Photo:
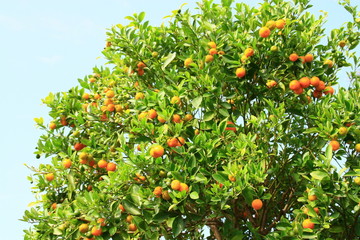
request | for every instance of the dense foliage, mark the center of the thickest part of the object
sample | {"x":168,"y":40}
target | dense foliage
{"x":224,"y":120}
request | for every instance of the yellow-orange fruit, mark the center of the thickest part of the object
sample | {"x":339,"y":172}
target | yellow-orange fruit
{"x":156,"y":151}
{"x":293,"y":57}
{"x":335,"y":145}
{"x":257,"y":204}
{"x":294,"y":84}
{"x":175,"y":185}
{"x":280,"y":24}
{"x":307,"y":223}
{"x":264,"y":32}
{"x":240,"y":72}
{"x":304,"y":82}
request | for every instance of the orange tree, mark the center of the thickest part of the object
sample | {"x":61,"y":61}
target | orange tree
{"x":219,"y":125}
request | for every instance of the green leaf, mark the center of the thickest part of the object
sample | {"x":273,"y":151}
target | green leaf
{"x":329,"y":154}
{"x":319,"y":175}
{"x":168,"y":60}
{"x":196,"y":102}
{"x":194,"y":195}
{"x":178,"y":225}
{"x":131,"y":208}
{"x":161,"y":216}
{"x":141,"y":16}
{"x":224,"y":112}
{"x":208,"y":116}
{"x":112,"y":231}
{"x":135,"y":194}
{"x":219,"y":178}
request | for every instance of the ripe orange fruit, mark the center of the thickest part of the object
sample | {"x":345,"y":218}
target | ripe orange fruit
{"x":304,"y":82}
{"x":140,"y":71}
{"x":110,"y":107}
{"x":111,"y":167}
{"x":212,"y":44}
{"x":158,"y":191}
{"x":184,"y":187}
{"x":85,"y":96}
{"x":257,"y":204}
{"x":312,"y":197}
{"x":96,"y":231}
{"x":316,"y":209}
{"x":181,"y":141}
{"x":230,"y":126}
{"x":141,"y":65}
{"x":49,"y":177}
{"x":231,"y":178}
{"x":298,"y":91}
{"x":293,"y":57}
{"x":161,"y":119}
{"x":309,"y":57}
{"x":280,"y":24}
{"x":308,"y":224}
{"x":175,"y":100}
{"x":271,"y":24}
{"x":102,"y":163}
{"x":187,"y":62}
{"x":264,"y":32}
{"x":240,"y":72}
{"x":52,"y":126}
{"x":152,"y":114}
{"x":320,"y":86}
{"x":213,"y":51}
{"x":271,"y":83}
{"x":129,"y":218}
{"x":329,"y":90}
{"x":244,"y":58}
{"x":63,"y":121}
{"x":66,"y":163}
{"x":188,"y":117}
{"x":79,"y":146}
{"x":314,"y":81}
{"x":335,"y":145}
{"x":108,"y":101}
{"x":249,"y":52}
{"x":329,"y":63}
{"x":121,"y":207}
{"x":101,"y":221}
{"x":83,"y":228}
{"x":173,"y":142}
{"x":294,"y":84}
{"x":209,"y":58}
{"x":139,"y":95}
{"x":175,"y":185}
{"x":54,"y":205}
{"x":176,"y":118}
{"x":92,"y":80}
{"x":132,"y":227}
{"x":156,"y":151}
{"x":110,"y":94}
{"x":317,"y":94}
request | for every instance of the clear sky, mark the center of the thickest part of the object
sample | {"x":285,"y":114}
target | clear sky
{"x":45,"y":46}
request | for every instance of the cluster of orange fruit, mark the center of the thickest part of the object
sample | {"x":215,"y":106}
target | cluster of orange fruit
{"x":212,"y":51}
{"x":265,"y":31}
{"x":298,"y":86}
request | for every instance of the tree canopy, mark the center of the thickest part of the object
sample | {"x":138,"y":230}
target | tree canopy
{"x":226,"y":120}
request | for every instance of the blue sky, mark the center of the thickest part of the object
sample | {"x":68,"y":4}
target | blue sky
{"x":44,"y":47}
